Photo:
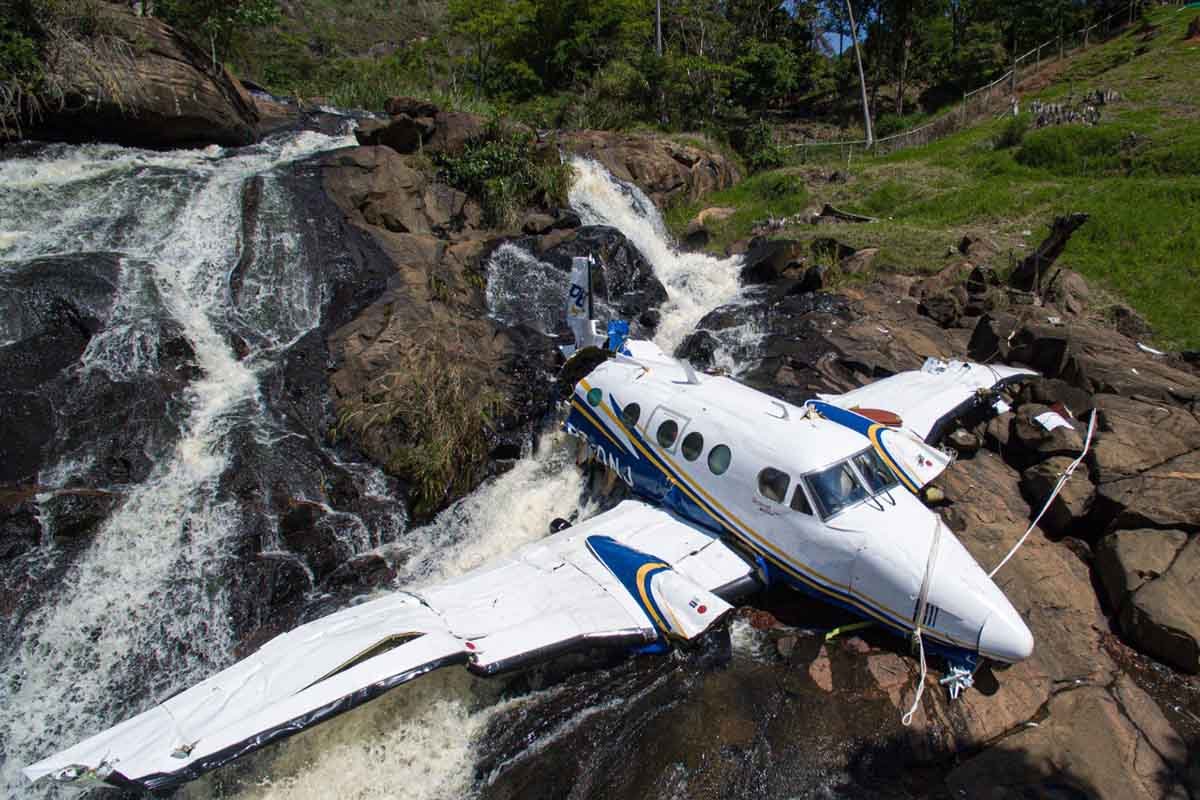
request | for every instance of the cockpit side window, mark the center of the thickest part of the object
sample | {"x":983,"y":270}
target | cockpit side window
{"x":773,"y":484}
{"x":875,"y":471}
{"x":800,"y":500}
{"x":630,"y":414}
{"x":835,"y":488}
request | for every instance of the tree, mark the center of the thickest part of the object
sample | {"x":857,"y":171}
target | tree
{"x":217,"y":20}
{"x":494,"y":31}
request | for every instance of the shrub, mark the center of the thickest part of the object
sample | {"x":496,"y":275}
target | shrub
{"x":1013,"y":132}
{"x":759,"y":149}
{"x":1073,"y":149}
{"x":444,"y":412}
{"x":505,"y":172}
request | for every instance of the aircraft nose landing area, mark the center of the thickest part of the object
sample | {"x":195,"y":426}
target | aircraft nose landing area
{"x":1006,"y":637}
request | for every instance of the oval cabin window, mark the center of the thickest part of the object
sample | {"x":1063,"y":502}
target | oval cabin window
{"x":630,"y":414}
{"x":693,"y":446}
{"x":667,"y":433}
{"x":719,"y":458}
{"x":773,"y":484}
{"x":594,"y":396}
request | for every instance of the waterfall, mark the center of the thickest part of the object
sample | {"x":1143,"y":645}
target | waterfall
{"x":144,"y":606}
{"x":696,"y":283}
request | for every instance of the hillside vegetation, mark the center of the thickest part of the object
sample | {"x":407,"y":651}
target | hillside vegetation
{"x":1137,"y":173}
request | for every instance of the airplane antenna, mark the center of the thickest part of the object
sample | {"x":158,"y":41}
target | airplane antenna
{"x":783,"y":412}
{"x":689,"y":372}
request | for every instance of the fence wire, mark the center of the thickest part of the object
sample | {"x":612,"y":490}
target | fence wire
{"x":987,"y":100}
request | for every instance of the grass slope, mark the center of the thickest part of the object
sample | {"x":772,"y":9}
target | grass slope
{"x":1137,"y":174}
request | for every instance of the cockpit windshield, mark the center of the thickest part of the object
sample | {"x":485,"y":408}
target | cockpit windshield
{"x":836,"y":488}
{"x":875,"y":472}
{"x":849,"y":481}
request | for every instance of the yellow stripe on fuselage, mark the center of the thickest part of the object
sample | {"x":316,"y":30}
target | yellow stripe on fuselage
{"x":873,"y":435}
{"x":799,"y":571}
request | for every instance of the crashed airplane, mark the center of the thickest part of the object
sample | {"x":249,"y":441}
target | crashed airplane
{"x":734,"y":490}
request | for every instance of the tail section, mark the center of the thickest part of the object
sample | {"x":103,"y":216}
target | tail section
{"x":579,"y":308}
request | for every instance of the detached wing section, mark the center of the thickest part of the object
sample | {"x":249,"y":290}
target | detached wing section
{"x":929,"y":398}
{"x":632,"y":576}
{"x":917,"y":407}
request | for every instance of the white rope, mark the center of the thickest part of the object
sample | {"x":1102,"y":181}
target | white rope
{"x":1062,"y":481}
{"x":907,"y":719}
{"x":919,"y":618}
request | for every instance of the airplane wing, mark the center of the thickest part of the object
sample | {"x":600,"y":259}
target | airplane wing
{"x":633,"y":576}
{"x":926,"y":400}
{"x":916,"y":406}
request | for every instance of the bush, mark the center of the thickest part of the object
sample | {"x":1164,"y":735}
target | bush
{"x":1073,"y":149}
{"x":887,"y":124}
{"x":759,"y":149}
{"x":503,"y":170}
{"x":1013,"y":132}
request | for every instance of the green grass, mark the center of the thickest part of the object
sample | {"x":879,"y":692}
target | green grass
{"x":1137,"y":174}
{"x":779,"y":193}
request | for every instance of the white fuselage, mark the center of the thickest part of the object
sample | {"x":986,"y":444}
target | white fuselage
{"x":790,"y":488}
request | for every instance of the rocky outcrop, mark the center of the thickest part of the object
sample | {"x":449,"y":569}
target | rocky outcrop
{"x":148,"y":87}
{"x":664,"y":169}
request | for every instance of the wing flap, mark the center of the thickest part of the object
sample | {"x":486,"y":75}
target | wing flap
{"x":928,"y":398}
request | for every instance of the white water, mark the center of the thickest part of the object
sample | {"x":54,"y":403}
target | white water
{"x":696,"y":283}
{"x":146,"y":597}
{"x":417,"y":742}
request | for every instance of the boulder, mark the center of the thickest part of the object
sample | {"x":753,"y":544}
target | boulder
{"x":1130,"y":323}
{"x":1136,"y":434}
{"x":411,"y":106}
{"x":943,"y":308}
{"x":1072,"y":504}
{"x":1126,"y":560}
{"x":158,"y":90}
{"x":402,"y":133}
{"x":1094,"y":742}
{"x":770,"y":259}
{"x":860,"y":263}
{"x":1162,"y":617}
{"x":1165,"y":496}
{"x":991,"y":340}
{"x":1031,"y":442}
{"x":20,"y":525}
{"x":662,"y":168}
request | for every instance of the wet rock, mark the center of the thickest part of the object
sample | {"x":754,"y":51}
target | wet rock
{"x":1071,"y":506}
{"x":72,"y":514}
{"x":26,"y":428}
{"x":660,"y":167}
{"x":1163,"y":615}
{"x":401,"y":133}
{"x":1126,"y":560}
{"x":626,"y":279}
{"x":944,"y":308}
{"x":159,"y":91}
{"x":306,"y":530}
{"x":698,"y":349}
{"x":362,"y":573}
{"x":20,"y":528}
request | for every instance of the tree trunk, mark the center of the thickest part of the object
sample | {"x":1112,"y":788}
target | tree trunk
{"x":903,"y":74}
{"x":862,"y":78}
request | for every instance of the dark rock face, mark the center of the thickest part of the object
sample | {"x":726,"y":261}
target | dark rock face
{"x":626,"y":279}
{"x":169,"y":95}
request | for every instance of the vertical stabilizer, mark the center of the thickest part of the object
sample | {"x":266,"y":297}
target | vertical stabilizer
{"x":579,"y":305}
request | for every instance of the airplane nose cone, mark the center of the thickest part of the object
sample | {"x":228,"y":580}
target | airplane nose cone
{"x":1006,"y":638}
